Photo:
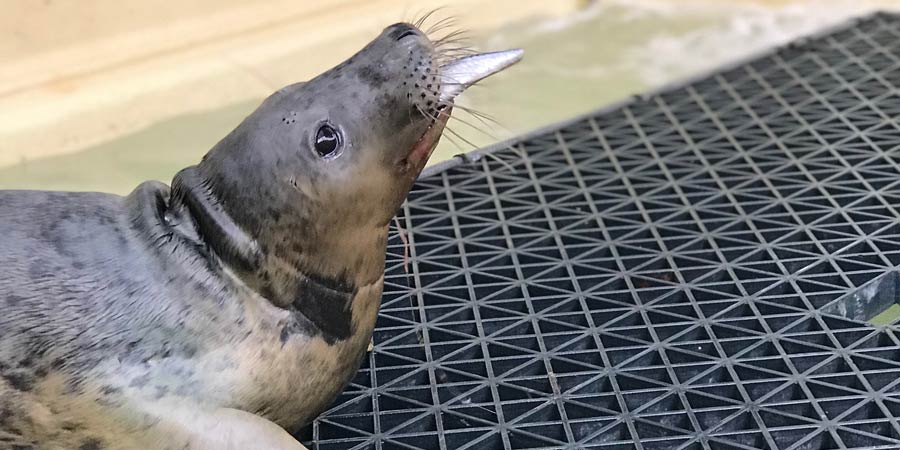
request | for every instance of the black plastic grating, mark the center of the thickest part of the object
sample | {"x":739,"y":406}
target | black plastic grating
{"x":671,"y":273}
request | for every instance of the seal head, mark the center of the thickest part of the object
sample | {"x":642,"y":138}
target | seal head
{"x":309,"y":181}
{"x":296,"y":201}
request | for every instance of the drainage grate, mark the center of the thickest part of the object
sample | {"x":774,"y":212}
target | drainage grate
{"x":689,"y":270}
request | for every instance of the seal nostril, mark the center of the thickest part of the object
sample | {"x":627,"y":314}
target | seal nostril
{"x":407,"y":33}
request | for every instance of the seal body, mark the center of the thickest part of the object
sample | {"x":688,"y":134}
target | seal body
{"x":237,"y":303}
{"x":166,"y":328}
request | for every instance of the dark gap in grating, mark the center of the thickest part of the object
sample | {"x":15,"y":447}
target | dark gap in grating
{"x":565,"y":313}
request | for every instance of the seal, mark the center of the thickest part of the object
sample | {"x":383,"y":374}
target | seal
{"x":236,"y":305}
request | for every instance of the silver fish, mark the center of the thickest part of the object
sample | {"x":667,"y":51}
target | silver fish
{"x":459,"y":74}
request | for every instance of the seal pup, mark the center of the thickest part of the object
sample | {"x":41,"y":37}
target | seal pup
{"x":237,"y":304}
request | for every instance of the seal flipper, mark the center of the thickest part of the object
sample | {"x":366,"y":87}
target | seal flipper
{"x":216,"y":228}
{"x":218,"y":429}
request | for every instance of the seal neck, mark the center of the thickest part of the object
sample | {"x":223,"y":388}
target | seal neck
{"x":213,"y":223}
{"x":279,"y":265}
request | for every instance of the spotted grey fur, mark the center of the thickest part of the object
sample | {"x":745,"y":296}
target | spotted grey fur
{"x":232,"y":306}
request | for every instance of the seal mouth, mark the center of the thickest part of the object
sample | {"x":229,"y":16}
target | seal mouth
{"x":426,"y":144}
{"x":455,"y":77}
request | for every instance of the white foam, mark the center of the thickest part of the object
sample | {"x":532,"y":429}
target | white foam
{"x":736,"y":33}
{"x":728,"y":31}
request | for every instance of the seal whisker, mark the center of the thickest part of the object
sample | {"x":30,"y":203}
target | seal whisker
{"x":485,"y":119}
{"x":458,"y":35}
{"x":479,"y":116}
{"x":432,"y":117}
{"x":401,"y":233}
{"x":473,"y":126}
{"x":455,"y":40}
{"x":492,"y":136}
{"x":449,"y":57}
{"x":453,"y":43}
{"x":443,"y":24}
{"x":421,"y":20}
{"x":448,"y":129}
{"x":448,"y":45}
{"x":452,"y":48}
{"x":504,"y":163}
{"x":471,"y":144}
{"x":453,"y":51}
{"x":488,"y":154}
{"x":459,"y":147}
{"x":443,"y":46}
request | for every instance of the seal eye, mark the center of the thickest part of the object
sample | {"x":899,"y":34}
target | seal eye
{"x":328,"y":141}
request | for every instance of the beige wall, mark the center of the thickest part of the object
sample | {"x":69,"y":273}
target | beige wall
{"x":75,"y":73}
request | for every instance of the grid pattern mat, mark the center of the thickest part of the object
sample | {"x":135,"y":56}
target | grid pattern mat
{"x":674,"y":273}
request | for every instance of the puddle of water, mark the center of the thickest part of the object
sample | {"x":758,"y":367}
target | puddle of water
{"x":876,"y":302}
{"x":887,"y":316}
{"x":609,"y":51}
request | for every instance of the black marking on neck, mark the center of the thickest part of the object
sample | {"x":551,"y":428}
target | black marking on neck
{"x":215,"y":226}
{"x":323,"y":307}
